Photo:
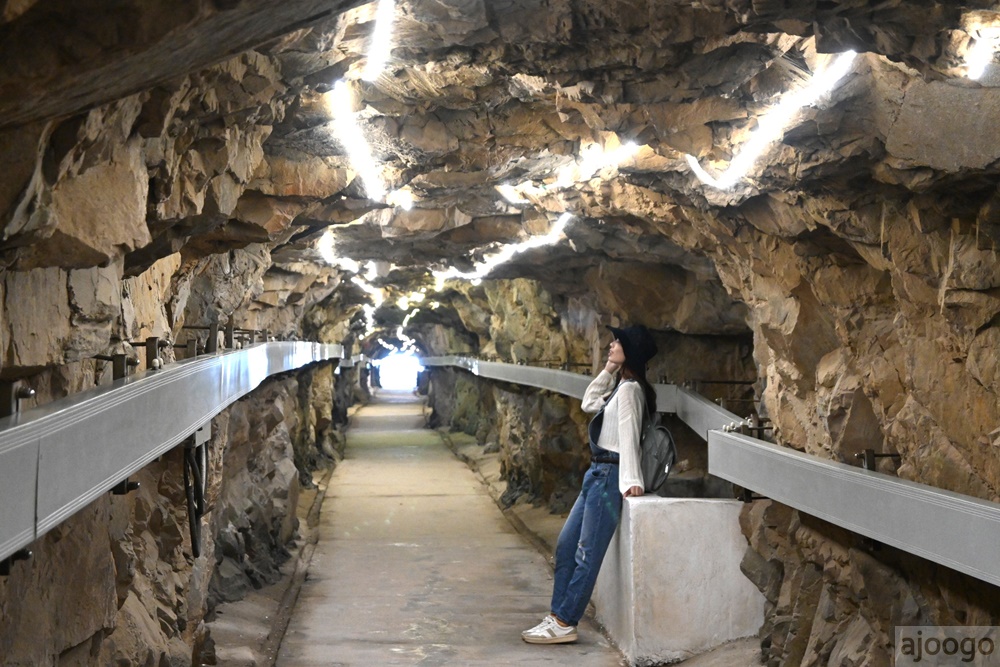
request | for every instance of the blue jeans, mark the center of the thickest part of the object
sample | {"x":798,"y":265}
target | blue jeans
{"x":584,"y":541}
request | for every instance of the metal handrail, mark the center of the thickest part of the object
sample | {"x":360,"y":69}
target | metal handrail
{"x":949,"y":528}
{"x":697,"y":411}
{"x":58,"y":457}
{"x":952,"y":529}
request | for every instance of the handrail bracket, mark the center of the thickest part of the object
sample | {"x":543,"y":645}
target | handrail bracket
{"x":196,"y":482}
{"x":8,"y":562}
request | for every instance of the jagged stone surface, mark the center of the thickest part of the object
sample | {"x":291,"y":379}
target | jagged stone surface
{"x":143,"y":597}
{"x":541,"y":438}
{"x":171,"y":168}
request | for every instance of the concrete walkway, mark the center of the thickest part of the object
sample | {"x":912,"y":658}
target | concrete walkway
{"x":416,"y":565}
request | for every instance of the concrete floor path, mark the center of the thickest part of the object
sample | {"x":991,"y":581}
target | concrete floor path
{"x":416,"y":565}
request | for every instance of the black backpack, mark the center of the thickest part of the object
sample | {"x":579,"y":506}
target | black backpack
{"x":657,"y":452}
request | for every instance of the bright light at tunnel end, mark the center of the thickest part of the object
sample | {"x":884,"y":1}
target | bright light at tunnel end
{"x":398,"y":371}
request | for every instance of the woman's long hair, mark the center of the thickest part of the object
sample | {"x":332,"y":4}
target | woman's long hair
{"x":629,"y":371}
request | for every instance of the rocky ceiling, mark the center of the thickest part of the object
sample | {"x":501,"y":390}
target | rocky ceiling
{"x":227,"y":109}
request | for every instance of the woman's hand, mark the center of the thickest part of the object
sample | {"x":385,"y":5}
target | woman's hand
{"x":634,"y":491}
{"x":616,"y":357}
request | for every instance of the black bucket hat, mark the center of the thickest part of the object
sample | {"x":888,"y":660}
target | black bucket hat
{"x":637,"y":344}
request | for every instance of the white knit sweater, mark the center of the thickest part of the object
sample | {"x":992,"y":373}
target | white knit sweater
{"x":622,"y":424}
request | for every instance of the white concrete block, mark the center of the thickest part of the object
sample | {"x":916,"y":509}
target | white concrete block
{"x":670,"y":586}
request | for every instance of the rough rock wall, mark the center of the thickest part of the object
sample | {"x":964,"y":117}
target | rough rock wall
{"x":540,"y":436}
{"x":875,"y":337}
{"x":116,"y":583}
{"x":122,"y":222}
{"x":259,"y":490}
{"x":174,"y":174}
{"x":538,"y":439}
{"x":320,"y":440}
{"x":64,"y":55}
{"x":127,"y":157}
{"x":874,"y":321}
{"x":835,"y":599}
{"x":160,"y":164}
{"x":460,"y":402}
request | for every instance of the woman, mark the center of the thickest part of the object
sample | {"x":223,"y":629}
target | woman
{"x":614,"y":474}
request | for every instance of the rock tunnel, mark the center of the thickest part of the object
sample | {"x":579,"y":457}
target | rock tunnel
{"x":798,"y":198}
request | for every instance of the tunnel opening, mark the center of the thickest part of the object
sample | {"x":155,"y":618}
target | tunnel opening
{"x":398,"y":371}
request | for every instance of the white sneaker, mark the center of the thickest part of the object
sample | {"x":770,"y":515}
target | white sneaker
{"x":550,"y":632}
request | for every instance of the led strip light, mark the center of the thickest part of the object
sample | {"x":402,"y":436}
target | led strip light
{"x":773,"y":124}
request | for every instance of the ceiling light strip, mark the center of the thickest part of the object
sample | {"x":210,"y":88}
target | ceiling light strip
{"x":506,"y":254}
{"x":593,"y":159}
{"x":349,"y":134}
{"x":773,"y":124}
{"x":381,"y":44}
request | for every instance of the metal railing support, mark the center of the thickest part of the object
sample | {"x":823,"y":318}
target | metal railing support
{"x":196,"y":482}
{"x":8,"y":562}
{"x":869,"y":458}
{"x":11,"y":395}
{"x":120,"y":364}
{"x":152,"y":346}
